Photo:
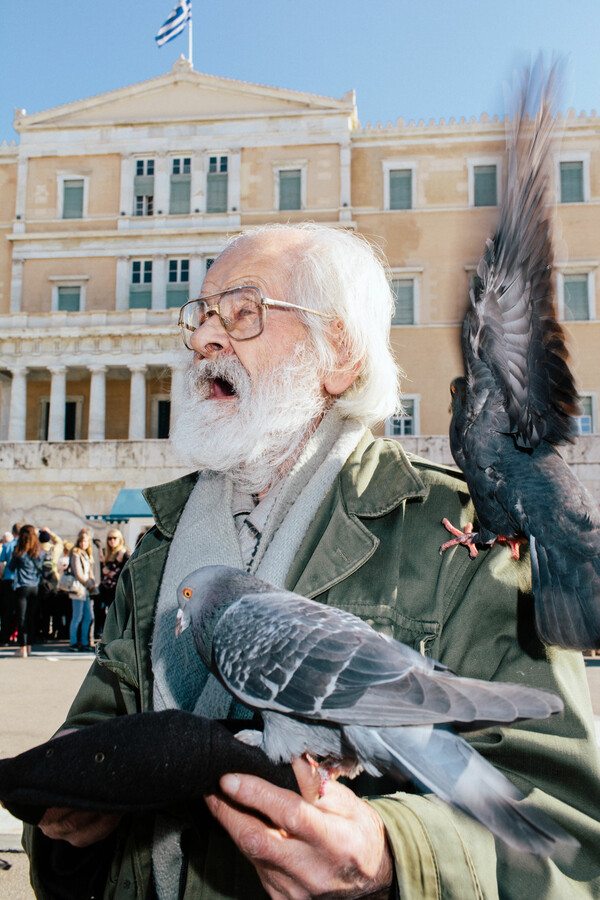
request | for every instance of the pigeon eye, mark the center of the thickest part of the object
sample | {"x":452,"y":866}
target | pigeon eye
{"x":187,"y":593}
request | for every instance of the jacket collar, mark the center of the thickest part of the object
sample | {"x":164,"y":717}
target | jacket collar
{"x":167,"y":501}
{"x":377,"y":478}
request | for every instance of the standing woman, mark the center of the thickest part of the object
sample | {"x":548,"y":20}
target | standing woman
{"x":80,"y":565}
{"x":113,"y":559}
{"x":26,"y":563}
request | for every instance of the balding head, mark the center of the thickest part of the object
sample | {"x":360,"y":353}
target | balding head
{"x":337,"y":272}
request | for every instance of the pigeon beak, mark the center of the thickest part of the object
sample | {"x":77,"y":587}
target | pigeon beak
{"x":179,"y":627}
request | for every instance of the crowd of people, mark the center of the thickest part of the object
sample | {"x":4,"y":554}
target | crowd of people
{"x":52,"y":589}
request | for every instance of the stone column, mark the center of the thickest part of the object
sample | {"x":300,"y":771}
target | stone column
{"x":18,"y":404}
{"x":126,"y":198}
{"x":97,"y":419}
{"x":16,"y":285}
{"x":137,"y":404}
{"x":123,"y":282}
{"x":58,"y":401}
{"x":345,"y":201}
{"x":177,"y":392}
{"x":162,"y":183}
{"x":4,"y":415}
{"x":159,"y":281}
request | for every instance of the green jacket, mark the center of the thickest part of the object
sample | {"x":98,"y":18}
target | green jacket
{"x":373,"y":549}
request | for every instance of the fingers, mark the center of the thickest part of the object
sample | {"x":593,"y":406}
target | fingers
{"x":286,"y":810}
{"x":78,"y":827}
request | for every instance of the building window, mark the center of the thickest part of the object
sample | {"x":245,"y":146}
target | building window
{"x":181,"y":179}
{"x":68,"y":299}
{"x":400,"y":188}
{"x":571,"y":182}
{"x":178,"y":285}
{"x":140,"y":289}
{"x":399,"y":180}
{"x":576,"y":297}
{"x":72,"y":205}
{"x":407,"y":423}
{"x":143,"y":187}
{"x":209,"y":261}
{"x":584,"y":423}
{"x":160,"y":416}
{"x":485,"y":188}
{"x":290,"y":189}
{"x":73,"y":411}
{"x":216,"y":185}
{"x":404,"y":308}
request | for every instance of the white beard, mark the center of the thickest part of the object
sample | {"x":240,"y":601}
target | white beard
{"x":257,"y":436}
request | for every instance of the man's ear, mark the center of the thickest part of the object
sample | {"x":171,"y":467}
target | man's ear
{"x":344,"y":375}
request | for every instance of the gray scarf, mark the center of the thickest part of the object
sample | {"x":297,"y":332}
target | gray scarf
{"x":206,"y":535}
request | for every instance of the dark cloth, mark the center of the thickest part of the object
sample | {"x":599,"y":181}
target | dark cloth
{"x":26,"y":603}
{"x":130,"y":764}
{"x":7,"y":610}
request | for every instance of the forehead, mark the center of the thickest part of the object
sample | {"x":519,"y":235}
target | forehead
{"x":266,"y":261}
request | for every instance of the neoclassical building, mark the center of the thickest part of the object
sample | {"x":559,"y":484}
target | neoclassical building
{"x":113,"y":207}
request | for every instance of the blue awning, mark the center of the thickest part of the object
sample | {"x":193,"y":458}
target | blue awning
{"x":130,"y":504}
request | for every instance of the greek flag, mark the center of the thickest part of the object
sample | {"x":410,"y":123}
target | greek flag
{"x":175,"y":23}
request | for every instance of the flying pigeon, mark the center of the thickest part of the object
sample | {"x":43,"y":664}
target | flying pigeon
{"x":329,"y":686}
{"x":516,"y":403}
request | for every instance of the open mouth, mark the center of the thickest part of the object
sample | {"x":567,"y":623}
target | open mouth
{"x":221,"y":389}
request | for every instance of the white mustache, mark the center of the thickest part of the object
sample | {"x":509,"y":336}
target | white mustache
{"x":225,"y":368}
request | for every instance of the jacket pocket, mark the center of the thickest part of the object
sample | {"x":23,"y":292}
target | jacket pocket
{"x":119,"y":657}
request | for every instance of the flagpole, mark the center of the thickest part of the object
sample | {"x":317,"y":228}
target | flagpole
{"x":190,"y":41}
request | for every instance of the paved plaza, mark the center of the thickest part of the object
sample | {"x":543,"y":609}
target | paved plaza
{"x":35,"y":695}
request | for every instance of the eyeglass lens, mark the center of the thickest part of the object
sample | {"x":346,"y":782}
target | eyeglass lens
{"x":241,"y":314}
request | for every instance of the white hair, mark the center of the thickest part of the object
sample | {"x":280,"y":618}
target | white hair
{"x":339,"y":272}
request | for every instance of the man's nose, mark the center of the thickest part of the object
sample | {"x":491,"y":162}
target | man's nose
{"x":210,"y":339}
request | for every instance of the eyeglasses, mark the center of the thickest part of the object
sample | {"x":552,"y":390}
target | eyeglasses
{"x":115,"y":538}
{"x":242,"y":311}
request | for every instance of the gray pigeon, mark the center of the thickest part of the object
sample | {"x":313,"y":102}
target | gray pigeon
{"x":518,"y":398}
{"x":330,"y":686}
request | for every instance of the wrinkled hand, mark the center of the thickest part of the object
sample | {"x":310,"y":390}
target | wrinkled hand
{"x":306,"y":847}
{"x":76,"y":826}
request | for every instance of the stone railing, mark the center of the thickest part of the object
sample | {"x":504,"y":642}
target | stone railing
{"x":113,"y":319}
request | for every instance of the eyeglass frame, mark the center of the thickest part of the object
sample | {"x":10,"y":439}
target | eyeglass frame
{"x":265,"y":302}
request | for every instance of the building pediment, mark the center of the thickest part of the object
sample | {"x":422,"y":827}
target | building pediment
{"x":183,"y":95}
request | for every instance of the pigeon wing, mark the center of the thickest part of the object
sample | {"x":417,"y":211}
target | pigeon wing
{"x":285,"y":653}
{"x":513,"y":346}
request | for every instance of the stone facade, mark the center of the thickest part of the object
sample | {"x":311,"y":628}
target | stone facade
{"x":111,"y":209}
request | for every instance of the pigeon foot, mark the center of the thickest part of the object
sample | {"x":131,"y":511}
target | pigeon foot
{"x":513,"y":543}
{"x":466,"y":537}
{"x":323,"y":773}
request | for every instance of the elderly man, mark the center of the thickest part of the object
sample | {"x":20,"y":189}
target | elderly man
{"x":291,"y":364}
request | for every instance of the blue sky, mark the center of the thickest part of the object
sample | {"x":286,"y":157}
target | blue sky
{"x":410,"y":58}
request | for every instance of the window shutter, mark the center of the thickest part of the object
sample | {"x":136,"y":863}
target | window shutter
{"x":69,"y":299}
{"x":576,"y":297}
{"x":401,"y":189}
{"x":290,"y":181}
{"x":143,"y":186}
{"x":485,"y":189}
{"x":216,"y":192}
{"x":179,"y":203}
{"x":571,"y":182}
{"x":177,"y":295}
{"x":140,"y":297}
{"x":73,"y":199}
{"x":404,"y":310}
